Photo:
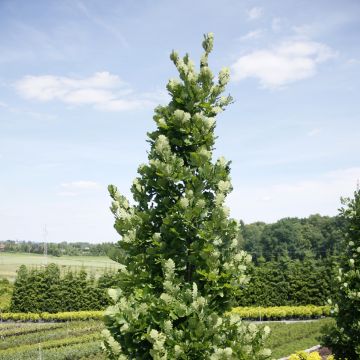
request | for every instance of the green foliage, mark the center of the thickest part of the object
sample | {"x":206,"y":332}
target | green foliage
{"x":46,"y":290}
{"x":246,"y":312}
{"x":61,"y":316}
{"x":6,"y":289}
{"x":290,"y":282}
{"x":281,"y":312}
{"x":183,"y":267}
{"x":344,"y":338}
{"x":292,"y":238}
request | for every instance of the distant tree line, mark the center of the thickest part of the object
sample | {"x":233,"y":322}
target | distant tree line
{"x":317,"y":236}
{"x":46,"y":289}
{"x":62,"y":248}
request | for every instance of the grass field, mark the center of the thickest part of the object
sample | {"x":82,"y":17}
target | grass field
{"x":81,"y":339}
{"x":287,"y":338}
{"x":9,"y":263}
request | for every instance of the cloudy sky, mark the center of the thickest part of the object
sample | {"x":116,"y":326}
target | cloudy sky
{"x":79,"y":81}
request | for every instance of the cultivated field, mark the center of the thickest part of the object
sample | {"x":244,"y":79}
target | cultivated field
{"x":9,"y":263}
{"x":81,"y":339}
{"x":287,"y":338}
{"x":53,"y":341}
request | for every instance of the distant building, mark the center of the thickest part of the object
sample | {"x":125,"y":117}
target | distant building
{"x":2,"y":247}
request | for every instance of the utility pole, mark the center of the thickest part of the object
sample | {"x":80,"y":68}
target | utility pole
{"x":45,"y":234}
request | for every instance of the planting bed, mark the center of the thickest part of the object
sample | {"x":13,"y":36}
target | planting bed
{"x":55,"y":341}
{"x":81,"y":339}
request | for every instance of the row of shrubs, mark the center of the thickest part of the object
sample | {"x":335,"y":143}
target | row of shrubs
{"x":47,"y":289}
{"x":282,"y":312}
{"x":45,"y":316}
{"x":302,"y":355}
{"x":58,"y":343}
{"x":290,"y":282}
{"x":253,"y":313}
{"x":275,"y":283}
{"x":88,"y":350}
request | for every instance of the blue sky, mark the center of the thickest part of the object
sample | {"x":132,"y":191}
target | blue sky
{"x":79,"y":81}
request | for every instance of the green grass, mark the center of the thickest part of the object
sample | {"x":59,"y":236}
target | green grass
{"x":81,"y":339}
{"x":10,"y":262}
{"x":287,"y":338}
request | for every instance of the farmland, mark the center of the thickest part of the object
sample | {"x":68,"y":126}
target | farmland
{"x":81,"y":339}
{"x":10,"y":262}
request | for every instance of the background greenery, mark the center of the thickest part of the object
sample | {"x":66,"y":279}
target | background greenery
{"x":294,"y":262}
{"x":292,"y":238}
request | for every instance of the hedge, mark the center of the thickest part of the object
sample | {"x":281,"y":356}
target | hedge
{"x":46,"y":289}
{"x":282,"y":312}
{"x":290,"y":283}
{"x":61,"y":316}
{"x":253,"y":313}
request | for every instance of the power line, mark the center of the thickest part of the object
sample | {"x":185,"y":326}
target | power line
{"x":45,"y":233}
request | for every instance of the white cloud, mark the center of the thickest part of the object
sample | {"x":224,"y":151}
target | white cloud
{"x":80,"y":185}
{"x":103,"y":91}
{"x":75,"y":188}
{"x":299,"y":198}
{"x":251,"y":35}
{"x":255,"y":13}
{"x":314,"y":132}
{"x":283,"y":64}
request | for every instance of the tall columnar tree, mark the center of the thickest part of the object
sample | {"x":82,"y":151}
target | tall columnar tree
{"x":344,"y":338}
{"x":182,"y":267}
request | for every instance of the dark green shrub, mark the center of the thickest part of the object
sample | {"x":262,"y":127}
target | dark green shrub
{"x":46,"y":290}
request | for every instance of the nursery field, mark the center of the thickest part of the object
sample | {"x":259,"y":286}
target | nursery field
{"x":81,"y":339}
{"x":287,"y":338}
{"x":55,"y":341}
{"x":10,"y":262}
